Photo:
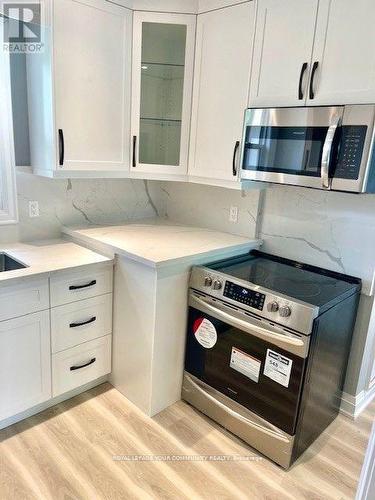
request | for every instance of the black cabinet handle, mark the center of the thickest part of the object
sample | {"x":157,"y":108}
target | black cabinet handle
{"x":79,"y":287}
{"x":73,"y":368}
{"x":300,"y":91}
{"x":234,"y":167}
{"x":61,"y":147}
{"x":314,"y":68}
{"x":75,"y":325}
{"x":134,"y":151}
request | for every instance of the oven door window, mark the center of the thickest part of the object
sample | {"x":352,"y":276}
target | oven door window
{"x":285,"y":150}
{"x":242,"y":367}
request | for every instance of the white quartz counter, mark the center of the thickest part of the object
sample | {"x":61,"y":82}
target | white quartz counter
{"x":47,"y":256}
{"x":156,"y":242}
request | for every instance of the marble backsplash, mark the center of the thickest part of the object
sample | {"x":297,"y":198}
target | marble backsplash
{"x":207,"y":206}
{"x":331,"y":230}
{"x":66,"y":202}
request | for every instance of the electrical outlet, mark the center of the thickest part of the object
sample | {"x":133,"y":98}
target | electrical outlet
{"x":34,"y":209}
{"x":233,"y":214}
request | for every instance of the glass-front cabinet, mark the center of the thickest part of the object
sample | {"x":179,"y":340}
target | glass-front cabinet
{"x":163,"y":54}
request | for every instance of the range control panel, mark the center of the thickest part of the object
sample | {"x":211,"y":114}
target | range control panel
{"x":244,"y":295}
{"x":350,"y":156}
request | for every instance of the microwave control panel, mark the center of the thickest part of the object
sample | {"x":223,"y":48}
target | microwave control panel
{"x":351,"y":151}
{"x":244,"y":295}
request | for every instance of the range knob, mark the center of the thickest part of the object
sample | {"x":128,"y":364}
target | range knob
{"x":285,"y":311}
{"x":273,"y":306}
{"x":217,"y":285}
{"x":207,"y":281}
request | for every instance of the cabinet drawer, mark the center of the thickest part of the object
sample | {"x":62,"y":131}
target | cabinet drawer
{"x":81,"y":364}
{"x":78,"y":322}
{"x":27,"y":296}
{"x":70,"y":286}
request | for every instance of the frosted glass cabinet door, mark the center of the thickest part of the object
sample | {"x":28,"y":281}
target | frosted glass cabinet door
{"x":92,"y":69}
{"x":163,"y":50}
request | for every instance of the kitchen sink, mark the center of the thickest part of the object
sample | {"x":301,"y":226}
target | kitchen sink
{"x":7,"y":263}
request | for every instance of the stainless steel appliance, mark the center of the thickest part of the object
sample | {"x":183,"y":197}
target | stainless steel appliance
{"x":266,"y":350}
{"x":318,"y":147}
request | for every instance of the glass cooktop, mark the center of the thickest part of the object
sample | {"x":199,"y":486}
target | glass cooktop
{"x":310,"y":284}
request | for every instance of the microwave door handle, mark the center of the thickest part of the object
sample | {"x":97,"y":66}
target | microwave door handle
{"x":235,"y":414}
{"x":327,"y":150}
{"x":248,"y":326}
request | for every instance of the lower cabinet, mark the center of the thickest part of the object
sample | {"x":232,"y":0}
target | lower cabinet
{"x":81,"y":364}
{"x":81,"y":326}
{"x":50,"y":352}
{"x":25,"y":363}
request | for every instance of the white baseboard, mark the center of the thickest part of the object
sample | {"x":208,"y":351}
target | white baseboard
{"x":51,"y":402}
{"x":352,"y":406}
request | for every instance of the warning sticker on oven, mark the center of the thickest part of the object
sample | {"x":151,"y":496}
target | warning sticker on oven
{"x":205,"y":332}
{"x":245,"y":364}
{"x":278,"y":367}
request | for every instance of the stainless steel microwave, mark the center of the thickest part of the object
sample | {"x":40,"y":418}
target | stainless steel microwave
{"x":323,"y":147}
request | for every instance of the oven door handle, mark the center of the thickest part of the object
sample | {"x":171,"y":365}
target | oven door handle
{"x":327,"y":150}
{"x":274,"y":433}
{"x":248,"y":326}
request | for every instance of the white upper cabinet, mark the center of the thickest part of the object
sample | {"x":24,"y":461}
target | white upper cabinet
{"x":313,"y":52}
{"x":344,"y":53}
{"x":282,"y":52}
{"x":84,"y":79}
{"x":221,"y":85}
{"x":163,"y":55}
{"x":92,"y":45}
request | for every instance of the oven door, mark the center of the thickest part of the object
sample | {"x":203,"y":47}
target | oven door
{"x":258,"y":365}
{"x":291,"y":145}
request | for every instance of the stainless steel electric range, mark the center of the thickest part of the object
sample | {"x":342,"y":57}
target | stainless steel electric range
{"x":267,"y":347}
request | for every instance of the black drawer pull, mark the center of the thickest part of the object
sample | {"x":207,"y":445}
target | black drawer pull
{"x":61,"y":147}
{"x":234,"y":168}
{"x":314,"y":68}
{"x":300,"y":91}
{"x":134,"y":161}
{"x":75,"y":325}
{"x":79,"y":287}
{"x":73,"y":368}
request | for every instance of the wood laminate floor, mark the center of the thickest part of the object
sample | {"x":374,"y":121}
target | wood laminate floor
{"x":67,"y":452}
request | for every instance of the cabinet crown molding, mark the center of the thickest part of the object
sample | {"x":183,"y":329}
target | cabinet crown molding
{"x":178,"y":6}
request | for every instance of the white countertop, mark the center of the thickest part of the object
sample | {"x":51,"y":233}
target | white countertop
{"x":48,"y":256}
{"x":157,"y":242}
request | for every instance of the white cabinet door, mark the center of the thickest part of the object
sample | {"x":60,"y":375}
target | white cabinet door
{"x":163,"y":55}
{"x":282,"y":52}
{"x":25,"y":363}
{"x":345,"y":52}
{"x":92,"y":71}
{"x":221,"y":84}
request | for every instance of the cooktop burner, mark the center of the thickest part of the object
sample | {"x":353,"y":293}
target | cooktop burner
{"x":302,"y":289}
{"x":299,"y":281}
